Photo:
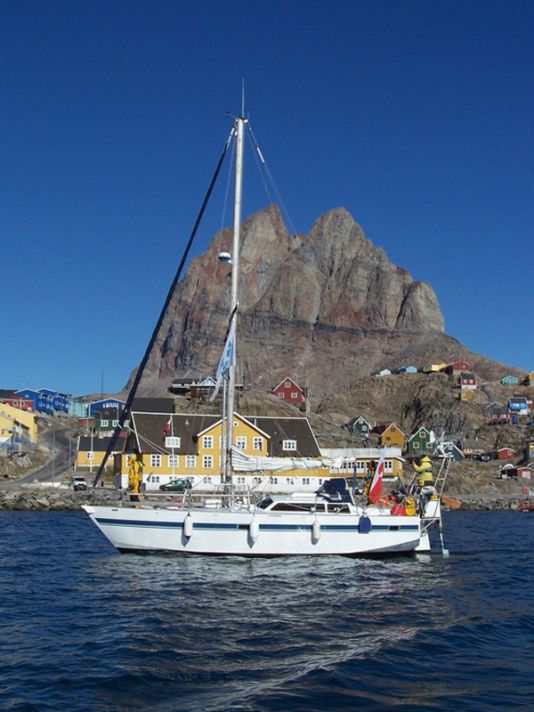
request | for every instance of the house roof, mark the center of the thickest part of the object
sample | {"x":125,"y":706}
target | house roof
{"x":148,"y":427}
{"x":471,"y":444}
{"x":288,"y":378}
{"x":280,"y":429}
{"x":392,"y":426}
{"x":359,"y":418}
{"x":419,"y":431}
{"x":9,"y":394}
{"x":187,"y":426}
{"x":153,"y":405}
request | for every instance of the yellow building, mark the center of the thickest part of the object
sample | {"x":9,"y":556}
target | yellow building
{"x":392,"y":436}
{"x":435,"y":368}
{"x":91,"y":450}
{"x":276,"y":451}
{"x":359,"y":461}
{"x":19,"y":423}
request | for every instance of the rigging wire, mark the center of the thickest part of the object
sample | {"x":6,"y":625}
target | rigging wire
{"x":264,"y":169}
{"x":128,"y":405}
{"x":228,"y":186}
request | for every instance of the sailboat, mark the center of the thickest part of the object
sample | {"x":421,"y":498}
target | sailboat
{"x":331,"y":521}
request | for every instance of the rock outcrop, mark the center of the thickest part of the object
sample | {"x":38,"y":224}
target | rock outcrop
{"x":326,"y":308}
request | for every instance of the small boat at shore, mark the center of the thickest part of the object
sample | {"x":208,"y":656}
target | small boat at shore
{"x":526,"y":505}
{"x":450,"y":502}
{"x":331,"y":521}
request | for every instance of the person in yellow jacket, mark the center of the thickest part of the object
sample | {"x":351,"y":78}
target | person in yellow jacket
{"x":423,"y":468}
{"x":135,"y":475}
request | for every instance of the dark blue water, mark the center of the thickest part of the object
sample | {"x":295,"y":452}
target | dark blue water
{"x":84,"y":628}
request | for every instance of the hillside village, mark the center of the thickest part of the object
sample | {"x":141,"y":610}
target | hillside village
{"x":401,"y":412}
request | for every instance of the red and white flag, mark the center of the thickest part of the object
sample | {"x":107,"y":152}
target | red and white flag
{"x":375,"y":490}
{"x":167,"y":426}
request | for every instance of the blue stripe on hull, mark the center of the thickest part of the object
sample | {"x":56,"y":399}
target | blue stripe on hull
{"x":263,"y":527}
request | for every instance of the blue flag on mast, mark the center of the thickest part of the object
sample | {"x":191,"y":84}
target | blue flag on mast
{"x":228,"y":359}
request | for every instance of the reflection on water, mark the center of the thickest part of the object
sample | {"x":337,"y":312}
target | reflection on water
{"x":90,"y":629}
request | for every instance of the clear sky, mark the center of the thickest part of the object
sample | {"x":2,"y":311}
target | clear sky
{"x":416,"y":116}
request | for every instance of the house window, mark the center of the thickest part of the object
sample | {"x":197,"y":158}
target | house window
{"x":207,"y":462}
{"x":360,"y":466}
{"x":207,"y":442}
{"x":115,"y":423}
{"x":173,"y":460}
{"x":388,"y":466}
{"x":289,"y":444}
{"x":90,"y":455}
{"x":207,"y":479}
{"x":257,"y":443}
{"x":155,"y":461}
{"x":282,"y":394}
{"x":293,"y":394}
{"x":190,"y":461}
{"x":287,"y":384}
{"x":416,"y":446}
{"x":305,"y":480}
{"x":241,"y":442}
{"x":274,"y":480}
{"x":172,"y":441}
{"x":104,"y":423}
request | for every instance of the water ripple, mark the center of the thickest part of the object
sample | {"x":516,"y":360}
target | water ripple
{"x":87,"y":629}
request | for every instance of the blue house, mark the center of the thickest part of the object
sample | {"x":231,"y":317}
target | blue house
{"x":50,"y":400}
{"x":509,"y":380}
{"x":112,"y":404}
{"x":518,"y":405}
{"x":405,"y":369}
{"x":42,"y":399}
{"x":29,"y":394}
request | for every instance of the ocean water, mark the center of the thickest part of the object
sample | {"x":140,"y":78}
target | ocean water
{"x":85,"y":628}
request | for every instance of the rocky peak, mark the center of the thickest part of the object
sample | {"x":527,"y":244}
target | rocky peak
{"x":326,"y":307}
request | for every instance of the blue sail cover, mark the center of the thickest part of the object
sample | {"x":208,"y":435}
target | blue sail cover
{"x":335,"y":490}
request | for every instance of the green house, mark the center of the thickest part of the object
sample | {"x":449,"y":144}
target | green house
{"x":420,"y":442}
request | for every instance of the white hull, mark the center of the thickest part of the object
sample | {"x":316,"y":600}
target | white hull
{"x":254,"y":533}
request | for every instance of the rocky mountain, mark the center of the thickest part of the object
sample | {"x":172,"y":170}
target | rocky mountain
{"x":327,"y":308}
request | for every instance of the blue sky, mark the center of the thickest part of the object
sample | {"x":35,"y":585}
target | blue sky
{"x":415,"y":116}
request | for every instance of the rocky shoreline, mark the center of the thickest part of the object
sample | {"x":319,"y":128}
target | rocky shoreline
{"x":40,"y":498}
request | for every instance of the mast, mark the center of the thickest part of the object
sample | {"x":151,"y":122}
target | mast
{"x":234,"y":304}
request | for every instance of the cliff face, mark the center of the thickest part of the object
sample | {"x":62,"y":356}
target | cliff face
{"x":326,"y":309}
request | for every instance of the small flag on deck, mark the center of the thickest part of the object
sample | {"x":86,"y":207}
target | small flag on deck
{"x":375,"y":490}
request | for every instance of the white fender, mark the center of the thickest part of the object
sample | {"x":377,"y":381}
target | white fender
{"x":316,"y":531}
{"x":254,"y":530}
{"x":188,"y":526}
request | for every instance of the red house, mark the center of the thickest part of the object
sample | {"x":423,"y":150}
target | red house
{"x":456,"y":367}
{"x":16,"y":401}
{"x":290,"y":392}
{"x":467,"y":381}
{"x":505,"y":453}
{"x":523,"y":473}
